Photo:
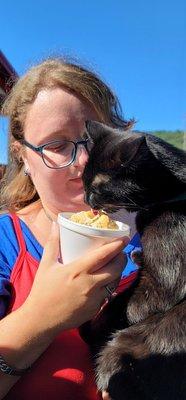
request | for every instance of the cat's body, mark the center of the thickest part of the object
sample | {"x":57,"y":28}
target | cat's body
{"x":145,"y":357}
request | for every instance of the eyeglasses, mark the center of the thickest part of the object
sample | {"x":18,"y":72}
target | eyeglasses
{"x":59,"y":153}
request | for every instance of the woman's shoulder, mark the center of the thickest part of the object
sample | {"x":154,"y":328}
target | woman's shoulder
{"x":7,"y":231}
{"x":8,"y":239}
{"x":5,"y":222}
{"x":8,"y":256}
{"x":12,"y":227}
{"x":4,"y":216}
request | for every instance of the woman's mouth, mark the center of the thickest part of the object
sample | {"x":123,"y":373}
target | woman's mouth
{"x":76,"y":181}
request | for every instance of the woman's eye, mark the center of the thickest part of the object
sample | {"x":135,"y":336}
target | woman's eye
{"x":58,"y":148}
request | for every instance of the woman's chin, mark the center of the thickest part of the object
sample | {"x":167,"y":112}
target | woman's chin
{"x":72,"y":202}
{"x":76,"y":199}
{"x":78,"y":204}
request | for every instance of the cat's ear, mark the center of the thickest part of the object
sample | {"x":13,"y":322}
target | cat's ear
{"x":170,"y":157}
{"x":96,"y":130}
{"x":130,"y":144}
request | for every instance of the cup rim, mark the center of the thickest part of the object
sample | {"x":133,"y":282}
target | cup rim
{"x":63,"y":220}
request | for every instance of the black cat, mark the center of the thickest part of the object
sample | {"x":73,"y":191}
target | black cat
{"x":140,"y":336}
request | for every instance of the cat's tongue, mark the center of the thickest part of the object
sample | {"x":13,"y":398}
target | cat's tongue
{"x":95,"y":212}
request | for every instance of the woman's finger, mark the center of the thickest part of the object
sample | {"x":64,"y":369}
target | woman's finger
{"x":105,"y":395}
{"x":110,"y":272}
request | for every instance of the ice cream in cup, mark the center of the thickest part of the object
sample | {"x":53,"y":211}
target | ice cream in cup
{"x":85,"y":231}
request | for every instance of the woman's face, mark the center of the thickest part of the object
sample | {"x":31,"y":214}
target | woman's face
{"x":57,"y":114}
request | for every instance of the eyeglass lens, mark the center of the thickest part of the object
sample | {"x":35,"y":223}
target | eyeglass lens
{"x":58,"y":154}
{"x":61,"y":154}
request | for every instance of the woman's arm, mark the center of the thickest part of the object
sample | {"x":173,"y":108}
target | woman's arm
{"x":22,"y":341}
{"x":61,"y":298}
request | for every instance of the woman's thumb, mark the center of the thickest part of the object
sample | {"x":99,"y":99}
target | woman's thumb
{"x":51,"y":249}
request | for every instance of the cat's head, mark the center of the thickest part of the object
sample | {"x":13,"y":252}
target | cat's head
{"x":128,"y":169}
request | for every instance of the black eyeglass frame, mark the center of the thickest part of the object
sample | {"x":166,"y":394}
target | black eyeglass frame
{"x":39,"y":149}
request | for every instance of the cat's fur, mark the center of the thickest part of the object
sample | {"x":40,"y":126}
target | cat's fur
{"x":140,"y":335}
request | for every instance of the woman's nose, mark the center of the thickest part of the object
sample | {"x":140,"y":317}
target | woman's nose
{"x":81,"y":156}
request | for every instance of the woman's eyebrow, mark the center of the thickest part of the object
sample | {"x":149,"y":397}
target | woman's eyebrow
{"x":57,"y":135}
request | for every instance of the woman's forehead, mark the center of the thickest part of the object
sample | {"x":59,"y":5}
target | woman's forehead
{"x":56,"y":110}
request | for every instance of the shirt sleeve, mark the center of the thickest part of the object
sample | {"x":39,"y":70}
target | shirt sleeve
{"x":134,"y":244}
{"x":5,"y":287}
{"x":130,"y":271}
{"x":8,"y":254}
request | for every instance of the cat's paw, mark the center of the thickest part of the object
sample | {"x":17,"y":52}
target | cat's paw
{"x":109,"y":363}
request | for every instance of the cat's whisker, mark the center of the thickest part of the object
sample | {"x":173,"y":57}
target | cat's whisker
{"x":134,"y":204}
{"x":117,"y":207}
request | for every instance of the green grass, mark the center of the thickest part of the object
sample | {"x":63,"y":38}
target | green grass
{"x":173,"y":137}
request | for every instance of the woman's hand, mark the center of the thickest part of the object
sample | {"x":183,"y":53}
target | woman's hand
{"x":66,"y":296}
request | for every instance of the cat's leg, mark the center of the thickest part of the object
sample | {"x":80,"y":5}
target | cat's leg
{"x":147,"y":360}
{"x":162,"y":272}
{"x":115,"y":371}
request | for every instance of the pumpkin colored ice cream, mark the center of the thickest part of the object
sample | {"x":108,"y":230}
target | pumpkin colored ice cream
{"x":96,"y":219}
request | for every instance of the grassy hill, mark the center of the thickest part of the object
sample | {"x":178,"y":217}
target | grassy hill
{"x":174,"y":137}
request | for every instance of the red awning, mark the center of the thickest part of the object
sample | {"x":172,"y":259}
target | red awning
{"x":7,"y":75}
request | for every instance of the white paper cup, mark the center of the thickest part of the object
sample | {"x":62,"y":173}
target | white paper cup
{"x":76,"y":239}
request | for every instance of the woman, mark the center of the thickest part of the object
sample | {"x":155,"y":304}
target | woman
{"x":42,"y":302}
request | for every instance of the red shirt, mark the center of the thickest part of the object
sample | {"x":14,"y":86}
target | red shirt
{"x":64,"y":370}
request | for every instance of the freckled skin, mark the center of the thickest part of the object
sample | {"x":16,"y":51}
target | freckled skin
{"x":57,"y":114}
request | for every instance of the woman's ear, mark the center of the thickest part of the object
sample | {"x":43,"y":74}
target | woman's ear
{"x":26,"y":166}
{"x":19,"y":151}
{"x":16,"y":149}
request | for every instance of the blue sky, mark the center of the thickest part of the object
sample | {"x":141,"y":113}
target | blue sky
{"x":137,"y":46}
{"x":3,"y":141}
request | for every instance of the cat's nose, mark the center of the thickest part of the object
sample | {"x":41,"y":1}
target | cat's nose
{"x":90,"y":199}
